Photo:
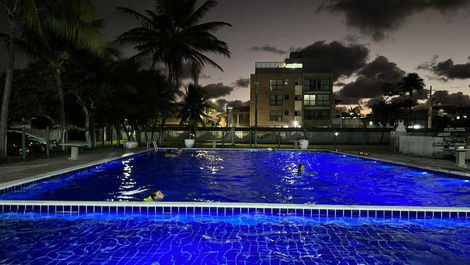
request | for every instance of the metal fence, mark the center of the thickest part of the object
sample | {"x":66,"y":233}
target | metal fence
{"x":276,"y":135}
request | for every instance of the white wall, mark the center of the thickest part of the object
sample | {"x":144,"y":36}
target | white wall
{"x":419,"y":145}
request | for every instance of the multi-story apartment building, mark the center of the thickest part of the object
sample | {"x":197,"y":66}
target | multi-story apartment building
{"x":294,"y":93}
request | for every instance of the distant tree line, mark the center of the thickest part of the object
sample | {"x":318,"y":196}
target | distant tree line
{"x":75,"y":80}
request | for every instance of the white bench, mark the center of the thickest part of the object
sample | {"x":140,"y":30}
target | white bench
{"x":74,"y":150}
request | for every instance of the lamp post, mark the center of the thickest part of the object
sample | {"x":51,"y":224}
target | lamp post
{"x":430,"y":108}
{"x":336,"y":136}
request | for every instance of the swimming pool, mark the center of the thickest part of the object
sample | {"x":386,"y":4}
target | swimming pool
{"x":239,"y":239}
{"x":255,"y":177}
{"x":238,"y":207}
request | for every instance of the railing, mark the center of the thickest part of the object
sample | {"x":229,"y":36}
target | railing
{"x":265,"y":135}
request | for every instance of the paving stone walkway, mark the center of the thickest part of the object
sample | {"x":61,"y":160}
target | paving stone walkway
{"x":19,"y":170}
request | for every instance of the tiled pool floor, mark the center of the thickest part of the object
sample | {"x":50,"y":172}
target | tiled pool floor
{"x":242,"y":239}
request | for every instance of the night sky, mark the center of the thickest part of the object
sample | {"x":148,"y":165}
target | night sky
{"x":370,"y":41}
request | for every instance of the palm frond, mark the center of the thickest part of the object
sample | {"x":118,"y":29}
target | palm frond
{"x":201,"y":12}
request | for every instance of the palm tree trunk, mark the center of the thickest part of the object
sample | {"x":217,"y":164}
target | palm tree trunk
{"x":8,"y":89}
{"x":162,"y":130}
{"x":87,"y":121}
{"x":60,"y":93}
{"x":154,"y":126}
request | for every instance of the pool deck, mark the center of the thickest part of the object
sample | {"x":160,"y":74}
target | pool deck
{"x":444,"y":165}
{"x":28,"y":169}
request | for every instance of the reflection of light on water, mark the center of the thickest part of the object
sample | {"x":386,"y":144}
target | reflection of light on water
{"x":210,"y":161}
{"x":127,"y":183}
{"x":203,"y":200}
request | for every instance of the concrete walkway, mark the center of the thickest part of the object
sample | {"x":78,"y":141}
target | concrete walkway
{"x":425,"y":162}
{"x":19,"y":170}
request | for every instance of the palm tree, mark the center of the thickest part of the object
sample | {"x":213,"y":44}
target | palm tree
{"x":172,"y":34}
{"x":58,"y":16}
{"x":194,"y":107}
{"x":410,"y":83}
{"x":56,"y":52}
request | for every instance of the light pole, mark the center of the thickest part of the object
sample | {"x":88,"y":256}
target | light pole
{"x":336,"y":136}
{"x":430,"y":108}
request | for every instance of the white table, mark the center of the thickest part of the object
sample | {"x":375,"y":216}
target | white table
{"x":74,"y":150}
{"x":214,"y":142}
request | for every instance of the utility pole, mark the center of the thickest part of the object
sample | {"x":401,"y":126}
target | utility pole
{"x":430,"y":108}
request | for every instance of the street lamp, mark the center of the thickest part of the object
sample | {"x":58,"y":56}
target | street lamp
{"x":336,"y":136}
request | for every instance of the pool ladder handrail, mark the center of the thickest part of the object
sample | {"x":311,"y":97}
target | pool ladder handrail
{"x":155,"y":146}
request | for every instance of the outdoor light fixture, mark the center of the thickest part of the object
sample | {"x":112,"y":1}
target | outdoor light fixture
{"x":458,"y":117}
{"x":371,"y":123}
{"x":295,"y":124}
{"x":293,"y":65}
{"x":336,"y":136}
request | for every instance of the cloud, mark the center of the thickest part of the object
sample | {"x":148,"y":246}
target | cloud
{"x":370,"y":80}
{"x":242,"y":82}
{"x":381,"y":68}
{"x":223,"y":103}
{"x":363,"y":87}
{"x":377,"y":18}
{"x":218,"y":90}
{"x":339,"y":84}
{"x":345,"y":58}
{"x":455,"y":99}
{"x":268,"y":48}
{"x":446,"y":70}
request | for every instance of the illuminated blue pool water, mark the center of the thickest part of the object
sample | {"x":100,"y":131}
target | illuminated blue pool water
{"x":255,"y":176}
{"x":240,"y":239}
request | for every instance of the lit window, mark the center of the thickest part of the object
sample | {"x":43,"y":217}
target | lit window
{"x":316,"y":100}
{"x":309,"y":100}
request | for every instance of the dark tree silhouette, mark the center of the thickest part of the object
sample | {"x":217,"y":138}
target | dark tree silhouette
{"x":174,"y":35}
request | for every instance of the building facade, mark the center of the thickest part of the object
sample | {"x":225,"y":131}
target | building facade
{"x":294,"y":93}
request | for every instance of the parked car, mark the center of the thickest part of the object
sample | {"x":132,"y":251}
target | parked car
{"x":14,"y":146}
{"x":52,"y":143}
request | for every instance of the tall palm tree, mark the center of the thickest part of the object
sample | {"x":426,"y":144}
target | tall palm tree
{"x":58,"y":16}
{"x":411,"y":83}
{"x":56,"y":51}
{"x":195,"y":106}
{"x":173,"y":34}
